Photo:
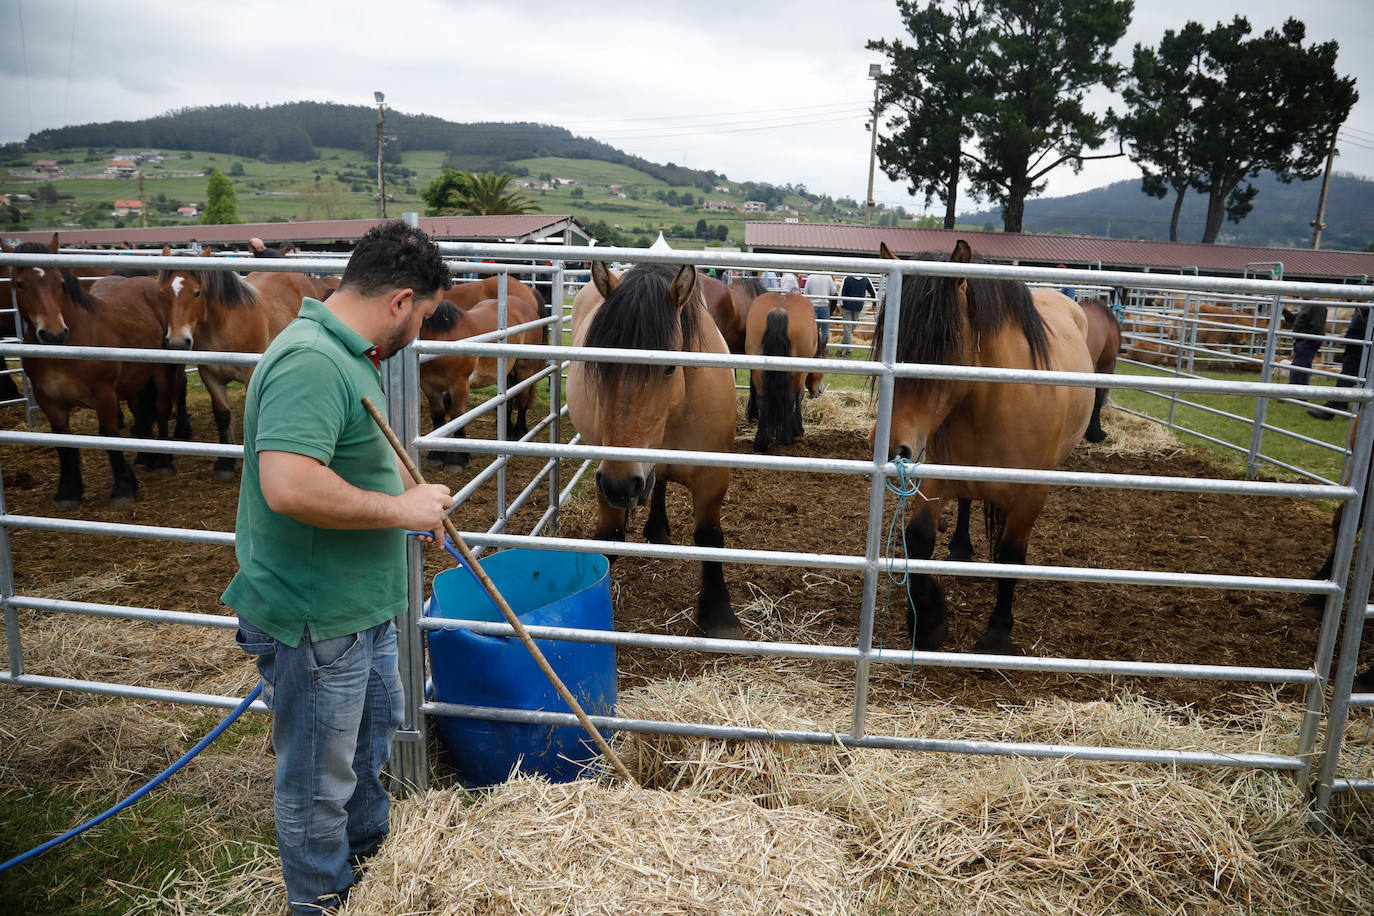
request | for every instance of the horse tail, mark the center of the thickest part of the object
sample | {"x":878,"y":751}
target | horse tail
{"x":776,"y":405}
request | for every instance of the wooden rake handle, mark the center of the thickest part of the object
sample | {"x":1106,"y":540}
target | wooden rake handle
{"x":501,"y":603}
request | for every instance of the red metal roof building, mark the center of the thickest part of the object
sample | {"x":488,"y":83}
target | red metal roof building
{"x":536,"y":227}
{"x":1069,"y":250}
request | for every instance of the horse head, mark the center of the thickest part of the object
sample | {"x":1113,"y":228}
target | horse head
{"x":185,"y":293}
{"x":933,"y":329}
{"x":648,"y":308}
{"x":40,"y":291}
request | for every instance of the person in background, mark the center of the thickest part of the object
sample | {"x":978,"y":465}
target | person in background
{"x":820,"y":289}
{"x":769,"y":279}
{"x":1351,"y":357}
{"x":854,"y":295}
{"x":320,"y":539}
{"x":1066,"y":290}
{"x":788,"y":283}
{"x":261,"y":250}
{"x":1310,"y":319}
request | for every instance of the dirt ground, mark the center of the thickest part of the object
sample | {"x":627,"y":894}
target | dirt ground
{"x":765,"y":510}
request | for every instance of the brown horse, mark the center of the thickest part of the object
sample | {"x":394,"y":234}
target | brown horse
{"x":780,"y":324}
{"x":467,"y":294}
{"x":994,"y":323}
{"x":652,"y":406}
{"x":1104,"y":342}
{"x":56,"y":310}
{"x":725,"y":312}
{"x":219,"y":311}
{"x":446,"y":380}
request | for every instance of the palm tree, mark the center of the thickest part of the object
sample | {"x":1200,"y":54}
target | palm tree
{"x":487,"y":196}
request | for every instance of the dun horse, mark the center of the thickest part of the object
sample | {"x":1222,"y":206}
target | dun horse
{"x":446,"y":380}
{"x":56,"y":310}
{"x":780,"y":324}
{"x":994,"y":323}
{"x":468,"y":294}
{"x":654,"y":406}
{"x":1104,"y":342}
{"x":216,"y":310}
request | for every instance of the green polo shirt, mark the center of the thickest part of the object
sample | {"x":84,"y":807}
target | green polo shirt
{"x":305,"y":397}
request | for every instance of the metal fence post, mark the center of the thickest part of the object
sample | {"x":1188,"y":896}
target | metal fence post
{"x":556,"y":394}
{"x":1271,"y":344}
{"x":13,"y":643}
{"x":877,"y":491}
{"x":409,"y":752}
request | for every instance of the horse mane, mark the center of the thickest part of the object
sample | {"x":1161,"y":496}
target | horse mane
{"x":931,"y":328}
{"x":640,"y":315}
{"x":71,"y":285}
{"x":223,"y":286}
{"x":444,"y":318}
{"x":750,"y":285}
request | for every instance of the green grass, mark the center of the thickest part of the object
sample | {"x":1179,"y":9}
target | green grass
{"x":1291,"y":417}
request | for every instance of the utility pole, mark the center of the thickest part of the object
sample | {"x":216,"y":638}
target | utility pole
{"x":142,"y":202}
{"x":874,"y":71}
{"x":1317,"y":224}
{"x":381,"y":171}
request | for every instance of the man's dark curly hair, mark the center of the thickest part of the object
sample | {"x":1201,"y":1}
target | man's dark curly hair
{"x":394,"y":256}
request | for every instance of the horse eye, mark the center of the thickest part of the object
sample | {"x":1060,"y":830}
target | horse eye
{"x":669,"y":370}
{"x":18,"y":284}
{"x":196,"y":294}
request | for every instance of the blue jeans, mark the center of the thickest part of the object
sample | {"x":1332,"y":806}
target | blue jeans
{"x":1303,"y":353}
{"x":336,"y":704}
{"x":822,"y":325}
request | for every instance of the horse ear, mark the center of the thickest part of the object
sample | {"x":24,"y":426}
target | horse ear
{"x":605,"y":281}
{"x":52,"y":243}
{"x":206,"y":252}
{"x":684,"y":285}
{"x":962,"y":253}
{"x":885,"y":252}
{"x":166,"y":251}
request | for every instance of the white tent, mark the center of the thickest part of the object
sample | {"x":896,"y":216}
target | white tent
{"x":660,"y":244}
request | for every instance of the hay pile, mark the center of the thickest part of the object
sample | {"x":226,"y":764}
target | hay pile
{"x":531,"y":847}
{"x":724,"y":827}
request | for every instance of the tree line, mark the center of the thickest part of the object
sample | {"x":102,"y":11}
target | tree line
{"x":992,"y":92}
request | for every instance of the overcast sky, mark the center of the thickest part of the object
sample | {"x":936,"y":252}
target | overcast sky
{"x":770,"y":90}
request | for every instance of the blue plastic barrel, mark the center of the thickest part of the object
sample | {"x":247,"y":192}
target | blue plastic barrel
{"x":544,"y":588}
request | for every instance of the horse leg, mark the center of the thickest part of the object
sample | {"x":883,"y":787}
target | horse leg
{"x":656,"y":529}
{"x":522,"y":401}
{"x":927,"y":614}
{"x":752,"y":411}
{"x":143,"y":407}
{"x":715,"y":616}
{"x":438,"y":416}
{"x":1011,"y":544}
{"x":457,"y":398}
{"x":125,"y":488}
{"x":796,"y":418}
{"x":960,"y":545}
{"x":182,"y":431}
{"x":70,"y":487}
{"x":1095,"y":431}
{"x":219,"y":404}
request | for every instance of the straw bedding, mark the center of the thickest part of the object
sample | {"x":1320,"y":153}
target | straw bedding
{"x":727,"y":827}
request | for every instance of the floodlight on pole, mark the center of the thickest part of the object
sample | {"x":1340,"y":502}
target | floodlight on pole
{"x":874,"y":72}
{"x":381,"y":172}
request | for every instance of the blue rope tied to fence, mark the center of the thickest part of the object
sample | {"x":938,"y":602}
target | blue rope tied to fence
{"x":152,"y":784}
{"x":904,"y":486}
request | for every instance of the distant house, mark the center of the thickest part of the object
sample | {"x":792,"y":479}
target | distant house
{"x":187,"y":211}
{"x":718,"y":205}
{"x":721,"y":189}
{"x":121,"y":168}
{"x":47,"y":167}
{"x":754,"y":206}
{"x":149,"y":155}
{"x":125,"y":207}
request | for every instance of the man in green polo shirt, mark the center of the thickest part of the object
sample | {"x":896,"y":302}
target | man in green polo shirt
{"x":320,"y":539}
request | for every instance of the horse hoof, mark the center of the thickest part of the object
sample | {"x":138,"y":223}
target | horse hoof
{"x":1313,"y":607}
{"x":122,"y":500}
{"x":223,"y":473}
{"x":996,"y":644}
{"x":67,"y":502}
{"x":455,"y":464}
{"x":164,"y":470}
{"x":1095,"y":435}
{"x":727,"y":630}
{"x":960,"y":555}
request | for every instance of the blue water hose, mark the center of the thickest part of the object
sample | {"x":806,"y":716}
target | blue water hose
{"x":152,"y":784}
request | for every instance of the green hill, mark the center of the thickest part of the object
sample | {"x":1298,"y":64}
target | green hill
{"x":1280,"y":218}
